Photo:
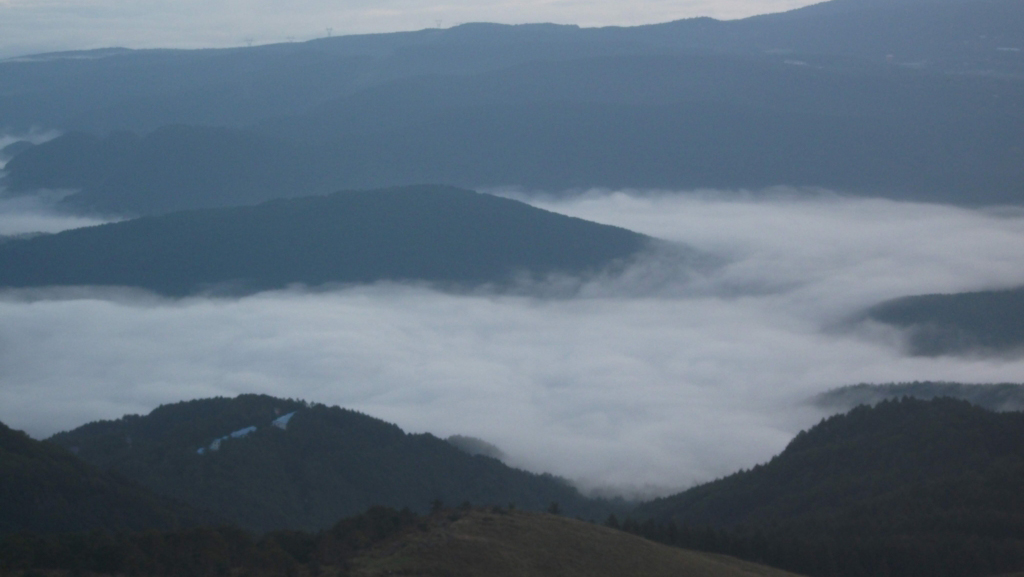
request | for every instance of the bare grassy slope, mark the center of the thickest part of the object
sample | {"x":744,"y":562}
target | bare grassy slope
{"x":525,"y":544}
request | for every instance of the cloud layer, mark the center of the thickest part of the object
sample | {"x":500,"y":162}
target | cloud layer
{"x":647,"y":385}
{"x":33,"y":26}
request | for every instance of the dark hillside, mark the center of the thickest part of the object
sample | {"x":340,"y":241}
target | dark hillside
{"x":44,"y":488}
{"x":324,"y":463}
{"x":919,"y":487}
{"x":441,"y":235}
{"x":173,"y":168}
{"x":984,"y":322}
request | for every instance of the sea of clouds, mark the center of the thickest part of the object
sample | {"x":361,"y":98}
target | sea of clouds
{"x":644,"y":382}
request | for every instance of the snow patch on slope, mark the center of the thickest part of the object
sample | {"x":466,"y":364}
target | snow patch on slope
{"x":282,"y":421}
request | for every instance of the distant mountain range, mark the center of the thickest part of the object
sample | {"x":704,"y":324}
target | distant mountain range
{"x":140,"y":90}
{"x":911,"y":100}
{"x":441,"y":235}
{"x":906,"y":487}
{"x":983,"y":322}
{"x":45,"y":488}
{"x":264,"y":463}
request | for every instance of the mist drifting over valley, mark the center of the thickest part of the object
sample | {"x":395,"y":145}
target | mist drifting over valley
{"x":645,"y":380}
{"x":34,"y":213}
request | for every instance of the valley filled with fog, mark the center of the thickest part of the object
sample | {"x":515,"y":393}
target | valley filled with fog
{"x":518,"y":288}
{"x":643,"y":380}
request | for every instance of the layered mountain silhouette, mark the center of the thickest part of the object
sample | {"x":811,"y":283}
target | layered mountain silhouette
{"x":441,"y":235}
{"x":265,"y":463}
{"x":911,"y":100}
{"x":45,"y":488}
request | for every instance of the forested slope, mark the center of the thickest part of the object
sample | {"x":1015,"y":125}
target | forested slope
{"x":44,"y":488}
{"x":907,"y":487}
{"x":323,"y":464}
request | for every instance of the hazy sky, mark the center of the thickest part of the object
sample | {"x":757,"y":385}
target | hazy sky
{"x":653,"y":380}
{"x":32,"y":26}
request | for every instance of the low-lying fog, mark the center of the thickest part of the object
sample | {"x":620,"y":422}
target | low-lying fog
{"x":31,"y":214}
{"x":650,"y":382}
{"x":26,"y":214}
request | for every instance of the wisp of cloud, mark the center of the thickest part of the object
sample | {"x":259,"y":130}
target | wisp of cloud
{"x":641,"y":387}
{"x":35,"y":213}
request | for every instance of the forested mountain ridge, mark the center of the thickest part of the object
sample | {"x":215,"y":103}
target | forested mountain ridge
{"x":917,"y":487}
{"x":848,"y":459}
{"x":324,"y":463}
{"x":440,"y":235}
{"x":998,"y":397}
{"x":44,"y":488}
{"x":982,"y":322}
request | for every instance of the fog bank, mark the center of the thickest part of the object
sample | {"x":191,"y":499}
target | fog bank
{"x":652,"y":385}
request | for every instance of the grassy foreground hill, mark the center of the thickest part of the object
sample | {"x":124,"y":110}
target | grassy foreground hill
{"x":265,"y":464}
{"x":436,"y":234}
{"x":466,"y":543}
{"x":516,"y":544}
{"x":45,"y":488}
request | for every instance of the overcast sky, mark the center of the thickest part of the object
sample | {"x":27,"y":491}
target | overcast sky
{"x":32,"y":26}
{"x":654,"y":379}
